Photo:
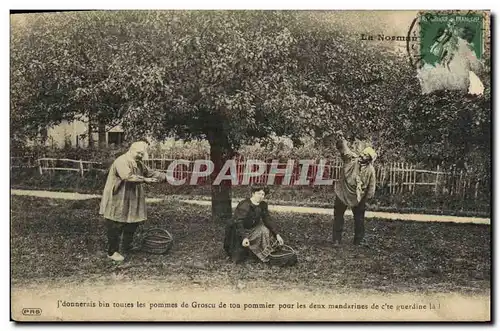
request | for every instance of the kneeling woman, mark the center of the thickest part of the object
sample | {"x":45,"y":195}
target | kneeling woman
{"x":251,"y":229}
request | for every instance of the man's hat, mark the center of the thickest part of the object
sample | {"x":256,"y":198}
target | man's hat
{"x":370,"y":151}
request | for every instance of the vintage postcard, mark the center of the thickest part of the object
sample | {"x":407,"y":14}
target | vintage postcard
{"x":250,"y":166}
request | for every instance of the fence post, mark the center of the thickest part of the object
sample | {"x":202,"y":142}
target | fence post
{"x":414,"y":168}
{"x":405,"y":172}
{"x":462,"y":184}
{"x":401,"y":169}
{"x":390,"y":178}
{"x":403,"y":182}
{"x":476,"y":189}
{"x":396,"y":178}
{"x":467,"y":188}
{"x":399,"y":166}
{"x":437,"y":180}
{"x":40,"y":166}
{"x":383,"y":175}
{"x":407,"y":176}
{"x":403,"y":175}
{"x":81,"y":168}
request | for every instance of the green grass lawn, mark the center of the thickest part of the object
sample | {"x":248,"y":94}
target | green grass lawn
{"x":59,"y":239}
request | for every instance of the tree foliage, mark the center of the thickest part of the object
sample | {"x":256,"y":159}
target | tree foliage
{"x":62,"y":68}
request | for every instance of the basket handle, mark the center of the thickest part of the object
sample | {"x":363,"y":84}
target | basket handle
{"x":290,"y":248}
{"x":275,"y":245}
{"x":158,"y":229}
{"x":142,"y":232}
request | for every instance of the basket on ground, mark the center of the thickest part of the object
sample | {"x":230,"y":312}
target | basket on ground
{"x":156,"y":241}
{"x":283,"y":256}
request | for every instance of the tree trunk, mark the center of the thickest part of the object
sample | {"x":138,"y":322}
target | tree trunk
{"x":44,"y":135}
{"x":91,"y":133}
{"x":102,"y":134}
{"x":221,"y":194}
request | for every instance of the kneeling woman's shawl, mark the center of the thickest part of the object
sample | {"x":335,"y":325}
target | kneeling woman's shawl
{"x":253,"y":222}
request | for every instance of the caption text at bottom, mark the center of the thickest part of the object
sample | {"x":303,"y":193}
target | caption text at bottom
{"x":247,"y":306}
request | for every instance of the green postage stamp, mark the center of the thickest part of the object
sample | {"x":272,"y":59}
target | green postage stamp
{"x":440,"y":34}
{"x":437,"y":36}
{"x":448,"y":48}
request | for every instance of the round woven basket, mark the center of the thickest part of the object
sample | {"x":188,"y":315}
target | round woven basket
{"x":283,"y":255}
{"x":156,"y":241}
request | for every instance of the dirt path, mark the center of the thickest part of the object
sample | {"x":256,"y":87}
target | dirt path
{"x":287,"y":209}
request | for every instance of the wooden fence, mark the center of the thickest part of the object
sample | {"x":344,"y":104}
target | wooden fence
{"x":51,"y":165}
{"x":396,"y":178}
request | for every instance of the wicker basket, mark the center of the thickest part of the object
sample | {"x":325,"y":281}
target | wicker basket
{"x":283,"y":256}
{"x":156,"y":241}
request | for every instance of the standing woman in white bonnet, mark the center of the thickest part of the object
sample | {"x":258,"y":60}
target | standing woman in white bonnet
{"x":123,"y":203}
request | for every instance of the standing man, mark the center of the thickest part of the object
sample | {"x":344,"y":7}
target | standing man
{"x":123,"y":203}
{"x":355,"y":187}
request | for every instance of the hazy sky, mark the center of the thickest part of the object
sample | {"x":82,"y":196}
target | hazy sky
{"x":389,"y":23}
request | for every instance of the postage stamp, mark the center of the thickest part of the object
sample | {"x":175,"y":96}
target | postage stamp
{"x":440,"y":35}
{"x":447,"y":48}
